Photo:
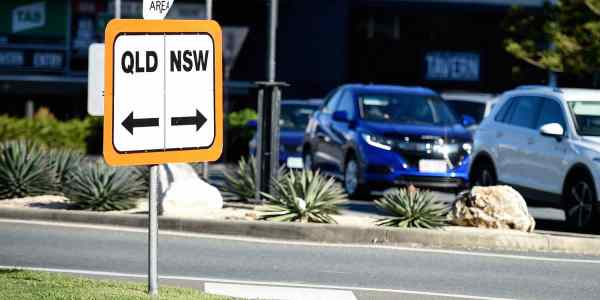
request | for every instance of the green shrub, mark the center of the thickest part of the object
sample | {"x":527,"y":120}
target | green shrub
{"x":95,"y":186}
{"x":241,"y":118}
{"x":47,"y":131}
{"x":412,"y":208}
{"x":25,"y":171}
{"x":238,"y":135}
{"x":303,"y":196}
{"x":242,"y":181}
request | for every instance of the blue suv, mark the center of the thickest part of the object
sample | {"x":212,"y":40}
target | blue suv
{"x":373,"y":137}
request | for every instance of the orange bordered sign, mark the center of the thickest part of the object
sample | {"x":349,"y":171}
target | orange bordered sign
{"x":163,"y":99}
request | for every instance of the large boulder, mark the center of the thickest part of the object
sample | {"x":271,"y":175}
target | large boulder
{"x":182,"y":192}
{"x":500,"y":207}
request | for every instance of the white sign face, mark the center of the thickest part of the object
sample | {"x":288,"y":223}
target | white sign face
{"x":163,"y":92}
{"x":156,"y":10}
{"x":95,"y":96}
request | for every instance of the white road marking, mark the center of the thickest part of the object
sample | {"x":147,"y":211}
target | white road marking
{"x":311,"y":244}
{"x":275,"y":292}
{"x":248,"y":282}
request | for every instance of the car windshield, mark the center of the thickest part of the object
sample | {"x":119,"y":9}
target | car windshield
{"x":587,"y":117}
{"x":295,"y":116}
{"x":469,"y":108}
{"x":405,"y":108}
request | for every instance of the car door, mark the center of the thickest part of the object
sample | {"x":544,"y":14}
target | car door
{"x":500,"y":134}
{"x":518,"y":141}
{"x":341,"y":130}
{"x":545,"y":163}
{"x":323,"y":135}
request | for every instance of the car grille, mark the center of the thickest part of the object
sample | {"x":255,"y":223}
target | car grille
{"x":414,"y":148}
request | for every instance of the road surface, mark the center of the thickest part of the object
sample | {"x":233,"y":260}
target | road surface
{"x":361,"y":272}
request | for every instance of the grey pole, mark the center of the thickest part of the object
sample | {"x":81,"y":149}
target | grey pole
{"x":153,"y":232}
{"x":272,"y":40}
{"x":209,"y":9}
{"x":117,"y":9}
{"x":208,"y":17}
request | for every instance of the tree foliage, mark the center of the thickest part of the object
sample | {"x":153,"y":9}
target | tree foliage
{"x":564,"y":37}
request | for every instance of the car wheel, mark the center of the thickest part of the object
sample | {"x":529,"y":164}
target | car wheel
{"x":308,"y":161}
{"x":351,"y":179}
{"x":483,"y":175}
{"x":580,"y":204}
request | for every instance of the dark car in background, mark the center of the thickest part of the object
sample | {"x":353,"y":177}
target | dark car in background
{"x":374,"y":137}
{"x":293,"y":119}
{"x":476,"y":105}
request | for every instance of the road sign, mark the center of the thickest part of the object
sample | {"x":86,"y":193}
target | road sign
{"x":156,"y":10}
{"x":95,"y":96}
{"x":163,"y":91}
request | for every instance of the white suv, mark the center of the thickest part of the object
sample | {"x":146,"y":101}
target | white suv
{"x":545,"y":142}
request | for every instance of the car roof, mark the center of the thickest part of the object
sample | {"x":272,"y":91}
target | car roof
{"x":384,"y":88}
{"x":568,"y":94}
{"x":469,"y":96}
{"x":312,"y":101}
{"x":571,"y":94}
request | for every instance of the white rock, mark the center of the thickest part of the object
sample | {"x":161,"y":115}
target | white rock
{"x":181,"y":191}
{"x":500,"y":207}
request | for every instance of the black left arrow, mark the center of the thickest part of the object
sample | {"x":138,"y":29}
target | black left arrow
{"x":130,"y":123}
{"x":197,"y":120}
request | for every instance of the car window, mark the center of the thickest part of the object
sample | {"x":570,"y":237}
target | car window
{"x":469,"y":108}
{"x":525,"y":112}
{"x":405,"y":108}
{"x":551,"y":113}
{"x":331,"y":102}
{"x":294,"y":117}
{"x":346,"y":104}
{"x":501,"y":115}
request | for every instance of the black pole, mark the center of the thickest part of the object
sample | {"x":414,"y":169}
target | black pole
{"x":267,"y":144}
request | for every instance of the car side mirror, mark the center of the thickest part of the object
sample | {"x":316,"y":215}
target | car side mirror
{"x":554,"y":130}
{"x":468,"y":121}
{"x":252,"y":124}
{"x":340,"y":116}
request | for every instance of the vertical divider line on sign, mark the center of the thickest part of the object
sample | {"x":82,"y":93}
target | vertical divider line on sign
{"x":165,"y":91}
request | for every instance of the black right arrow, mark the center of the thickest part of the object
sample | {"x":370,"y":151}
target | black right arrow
{"x":129,"y":123}
{"x":197,"y":120}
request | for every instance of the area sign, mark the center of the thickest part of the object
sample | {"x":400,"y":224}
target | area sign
{"x":163,"y":99}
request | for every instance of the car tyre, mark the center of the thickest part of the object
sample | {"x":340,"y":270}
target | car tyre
{"x":483,"y":175}
{"x":351,"y":178}
{"x":580,"y":204}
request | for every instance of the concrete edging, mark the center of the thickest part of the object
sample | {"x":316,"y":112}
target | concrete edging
{"x":452,"y":237}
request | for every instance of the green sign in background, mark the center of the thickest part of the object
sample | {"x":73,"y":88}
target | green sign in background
{"x":55,"y":25}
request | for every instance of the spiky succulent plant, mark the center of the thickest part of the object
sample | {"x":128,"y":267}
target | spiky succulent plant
{"x":98,"y":187}
{"x":24,"y":171}
{"x":241,"y":181}
{"x":303,"y":196}
{"x":64,"y":162}
{"x":411,"y":208}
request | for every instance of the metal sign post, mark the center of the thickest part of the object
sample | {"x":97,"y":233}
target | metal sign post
{"x":153,"y":232}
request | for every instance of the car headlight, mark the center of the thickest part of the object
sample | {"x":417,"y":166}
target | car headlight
{"x":467,"y":147}
{"x":377,"y":141}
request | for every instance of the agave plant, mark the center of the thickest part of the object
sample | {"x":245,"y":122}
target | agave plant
{"x":24,"y":171}
{"x":411,"y":208}
{"x":64,"y":162}
{"x":241,"y":181}
{"x":303,"y":196}
{"x":98,"y":187}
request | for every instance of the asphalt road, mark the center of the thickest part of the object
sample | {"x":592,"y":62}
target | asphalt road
{"x":365,"y":272}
